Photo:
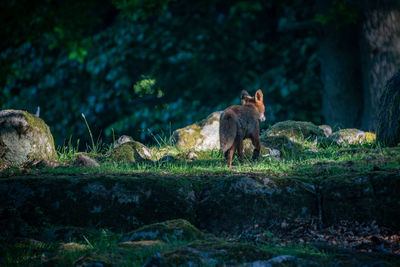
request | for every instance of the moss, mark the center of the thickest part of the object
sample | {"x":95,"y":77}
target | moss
{"x":41,"y":130}
{"x":281,"y":143}
{"x":26,"y":138}
{"x":168,"y":231}
{"x":131,"y":152}
{"x":370,"y":137}
{"x":296,"y":131}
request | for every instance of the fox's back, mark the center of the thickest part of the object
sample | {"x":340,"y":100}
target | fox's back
{"x":246,"y":118}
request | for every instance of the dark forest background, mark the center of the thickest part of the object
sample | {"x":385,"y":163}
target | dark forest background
{"x":144,"y":68}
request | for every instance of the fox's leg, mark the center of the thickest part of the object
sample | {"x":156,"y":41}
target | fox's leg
{"x":257,"y":146}
{"x":240,"y":150}
{"x":229,"y":156}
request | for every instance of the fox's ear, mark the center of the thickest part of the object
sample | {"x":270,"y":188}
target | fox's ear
{"x":245,"y":97}
{"x":244,"y":94}
{"x":259,"y":96}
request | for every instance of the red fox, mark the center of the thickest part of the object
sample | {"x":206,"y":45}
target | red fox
{"x":240,"y":122}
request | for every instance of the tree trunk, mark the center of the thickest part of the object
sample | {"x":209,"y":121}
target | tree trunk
{"x":380,"y":54}
{"x":340,"y":71}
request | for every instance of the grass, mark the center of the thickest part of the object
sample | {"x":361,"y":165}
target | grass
{"x":331,"y":160}
{"x":104,"y":246}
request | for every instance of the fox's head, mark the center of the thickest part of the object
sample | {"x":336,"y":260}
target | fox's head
{"x":256,"y":101}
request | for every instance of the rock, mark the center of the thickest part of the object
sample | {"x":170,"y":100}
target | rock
{"x":192,"y":156}
{"x":86,"y":161}
{"x":168,"y":231}
{"x":167,"y":159}
{"x":388,"y":126}
{"x":200,"y":136}
{"x":123,"y":139}
{"x":42,"y":163}
{"x":131,"y":151}
{"x":209,"y":253}
{"x":351,"y":137}
{"x":141,"y":244}
{"x":296,"y":131}
{"x":72,"y":246}
{"x":24,"y":137}
{"x":280,"y":144}
{"x":327,"y":129}
{"x":282,"y":260}
{"x":265,"y":151}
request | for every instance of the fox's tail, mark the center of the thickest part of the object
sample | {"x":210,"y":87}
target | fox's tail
{"x":227,"y":130}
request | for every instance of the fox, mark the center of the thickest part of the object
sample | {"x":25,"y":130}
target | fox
{"x":240,"y":122}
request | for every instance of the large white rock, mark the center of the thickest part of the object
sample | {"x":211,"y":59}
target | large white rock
{"x":200,"y":136}
{"x":24,"y":137}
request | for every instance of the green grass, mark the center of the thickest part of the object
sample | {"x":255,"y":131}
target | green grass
{"x":330,"y":160}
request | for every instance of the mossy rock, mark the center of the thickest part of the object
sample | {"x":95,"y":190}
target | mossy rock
{"x":351,"y":136}
{"x":296,"y":131}
{"x":24,"y":137}
{"x":327,"y":129}
{"x":388,"y":126}
{"x":131,"y":151}
{"x":168,"y":231}
{"x":265,"y":151}
{"x":200,"y":136}
{"x":281,"y":143}
{"x":209,"y":253}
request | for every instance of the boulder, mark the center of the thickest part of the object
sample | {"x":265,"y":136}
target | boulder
{"x":327,"y":129}
{"x":265,"y":151}
{"x":86,"y":161}
{"x":131,"y":151}
{"x":388,"y":126}
{"x":280,"y":143}
{"x":296,"y":131}
{"x":168,"y":231}
{"x":351,"y":136}
{"x":122,"y":140}
{"x":24,"y":137}
{"x":200,"y":136}
{"x":210,"y":253}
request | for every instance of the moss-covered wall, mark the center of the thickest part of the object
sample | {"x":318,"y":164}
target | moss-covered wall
{"x":216,"y":204}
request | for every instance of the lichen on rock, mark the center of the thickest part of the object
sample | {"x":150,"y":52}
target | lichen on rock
{"x":24,"y":137}
{"x":296,"y":131}
{"x":131,"y":151}
{"x":351,"y":136}
{"x":200,"y":136}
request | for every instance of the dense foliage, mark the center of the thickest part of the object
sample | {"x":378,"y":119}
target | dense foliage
{"x":140,"y":69}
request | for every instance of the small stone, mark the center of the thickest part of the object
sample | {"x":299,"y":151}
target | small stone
{"x":83,"y":160}
{"x":192,"y":156}
{"x":71,"y":246}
